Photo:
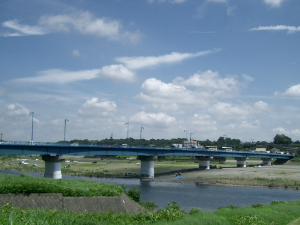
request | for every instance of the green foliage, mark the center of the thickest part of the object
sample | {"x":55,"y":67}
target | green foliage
{"x":282,"y":139}
{"x":257,"y":205}
{"x":134,"y":194}
{"x":27,"y":184}
{"x":195,"y":211}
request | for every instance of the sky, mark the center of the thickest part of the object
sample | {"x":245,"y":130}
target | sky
{"x":158,"y":69}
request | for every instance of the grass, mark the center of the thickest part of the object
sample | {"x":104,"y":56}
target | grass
{"x":10,"y":184}
{"x":277,"y":213}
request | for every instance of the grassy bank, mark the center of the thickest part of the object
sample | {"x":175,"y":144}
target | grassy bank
{"x":277,"y":213}
{"x":10,"y":184}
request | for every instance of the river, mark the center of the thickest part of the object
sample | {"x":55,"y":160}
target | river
{"x":206,"y":197}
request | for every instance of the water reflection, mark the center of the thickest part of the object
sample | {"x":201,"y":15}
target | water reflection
{"x":206,"y":197}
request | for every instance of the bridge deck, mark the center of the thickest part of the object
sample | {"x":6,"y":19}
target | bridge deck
{"x":27,"y":148}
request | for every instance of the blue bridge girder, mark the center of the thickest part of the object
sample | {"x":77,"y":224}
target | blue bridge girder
{"x":40,"y":148}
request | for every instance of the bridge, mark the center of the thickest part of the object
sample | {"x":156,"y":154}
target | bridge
{"x":53,"y":155}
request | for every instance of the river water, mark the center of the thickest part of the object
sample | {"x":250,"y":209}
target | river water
{"x":205,"y":197}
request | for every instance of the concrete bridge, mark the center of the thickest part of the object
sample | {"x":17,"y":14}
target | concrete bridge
{"x":53,"y":155}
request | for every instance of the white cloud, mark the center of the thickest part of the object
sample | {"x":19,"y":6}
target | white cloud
{"x":247,"y":78}
{"x":22,"y":30}
{"x":203,"y":121}
{"x":227,"y":111}
{"x":95,"y":107}
{"x":230,"y":10}
{"x":289,"y":29}
{"x":16,"y":110}
{"x":274,"y":3}
{"x":295,"y":132}
{"x":117,"y":73}
{"x":293,"y":91}
{"x":280,"y":130}
{"x":61,"y":76}
{"x":75,"y":53}
{"x":83,"y":22}
{"x":211,"y":82}
{"x":86,"y":23}
{"x":153,"y":120}
{"x":156,"y":91}
{"x":150,"y":61}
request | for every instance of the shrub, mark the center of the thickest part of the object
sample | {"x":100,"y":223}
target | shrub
{"x":195,"y":211}
{"x":134,"y":194}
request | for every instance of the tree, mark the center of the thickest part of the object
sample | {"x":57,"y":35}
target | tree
{"x":282,"y":139}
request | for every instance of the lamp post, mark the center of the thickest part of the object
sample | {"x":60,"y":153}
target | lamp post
{"x":65,"y":130}
{"x":31,"y":114}
{"x":225,"y":139}
{"x":141,"y":136}
{"x":1,"y":136}
{"x":127,"y":131}
{"x":186,"y":137}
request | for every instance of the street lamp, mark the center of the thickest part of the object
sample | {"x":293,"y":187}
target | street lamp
{"x":1,"y":136}
{"x":186,"y":137}
{"x":141,"y":136}
{"x":225,"y":139}
{"x":127,"y":131}
{"x":31,"y":114}
{"x":65,"y":129}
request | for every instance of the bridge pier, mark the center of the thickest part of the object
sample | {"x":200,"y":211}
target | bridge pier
{"x":204,"y":162}
{"x":52,"y":166}
{"x":240,"y":162}
{"x":147,"y":167}
{"x":267,"y":161}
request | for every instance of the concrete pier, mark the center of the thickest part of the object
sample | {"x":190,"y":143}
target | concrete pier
{"x":240,"y":162}
{"x":204,"y":162}
{"x":52,"y":166}
{"x":267,"y":161}
{"x":147,"y":167}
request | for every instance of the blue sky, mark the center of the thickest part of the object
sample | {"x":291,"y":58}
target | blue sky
{"x":211,"y":67}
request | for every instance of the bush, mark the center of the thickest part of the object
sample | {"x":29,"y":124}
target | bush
{"x":195,"y":211}
{"x":134,"y":194}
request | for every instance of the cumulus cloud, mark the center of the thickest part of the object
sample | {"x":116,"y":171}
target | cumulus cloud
{"x":274,"y":3}
{"x":293,"y":91}
{"x":95,"y":107}
{"x":289,"y":29}
{"x":60,"y":76}
{"x":228,"y":111}
{"x":151,"y":61}
{"x":156,"y":91}
{"x":152,"y":119}
{"x":211,"y":82}
{"x":118,"y":73}
{"x":280,"y":130}
{"x":22,"y":30}
{"x":16,"y":114}
{"x":83,"y":22}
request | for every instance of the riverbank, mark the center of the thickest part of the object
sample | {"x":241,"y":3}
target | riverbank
{"x":282,"y":176}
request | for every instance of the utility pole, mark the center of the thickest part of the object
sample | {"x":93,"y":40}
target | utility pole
{"x":127,"y":131}
{"x":65,"y":130}
{"x":141,"y":136}
{"x":31,"y":114}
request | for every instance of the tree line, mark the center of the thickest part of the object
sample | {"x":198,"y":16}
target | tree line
{"x":280,"y":141}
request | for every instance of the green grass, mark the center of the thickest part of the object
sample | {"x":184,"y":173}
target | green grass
{"x":277,"y":213}
{"x":28,"y":184}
